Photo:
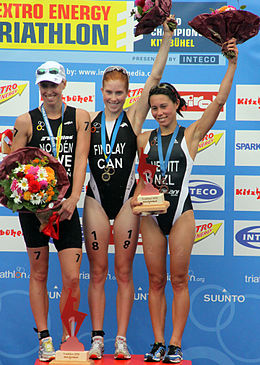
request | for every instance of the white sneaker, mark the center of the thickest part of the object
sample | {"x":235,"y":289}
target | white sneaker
{"x":121,"y":352}
{"x":46,"y":350}
{"x":97,"y":348}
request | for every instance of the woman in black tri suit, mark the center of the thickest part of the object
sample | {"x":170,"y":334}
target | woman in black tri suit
{"x":173,"y":149}
{"x":112,"y":184}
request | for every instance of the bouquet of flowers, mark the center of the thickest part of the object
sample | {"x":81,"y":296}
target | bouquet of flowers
{"x":150,"y":14}
{"x":225,"y":23}
{"x":31,"y":180}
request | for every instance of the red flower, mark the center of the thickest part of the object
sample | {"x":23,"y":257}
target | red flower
{"x":34,"y":186}
{"x":29,"y":177}
{"x":20,"y":174}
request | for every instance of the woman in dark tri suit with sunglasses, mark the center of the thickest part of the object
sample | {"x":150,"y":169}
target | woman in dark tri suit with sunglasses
{"x":112,"y":183}
{"x":41,"y":127}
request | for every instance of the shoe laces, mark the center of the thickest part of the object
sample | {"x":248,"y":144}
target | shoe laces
{"x":121,"y":343}
{"x":172,"y":350}
{"x":97,"y":342}
{"x":155,"y":347}
{"x":47,"y":344}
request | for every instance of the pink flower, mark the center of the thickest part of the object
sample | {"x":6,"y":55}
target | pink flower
{"x":14,"y":185}
{"x":140,"y":3}
{"x":33,"y":170}
{"x":148,"y":5}
{"x":44,"y":184}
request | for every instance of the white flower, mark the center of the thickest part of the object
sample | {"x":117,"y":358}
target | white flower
{"x":18,"y":169}
{"x":23,"y":184}
{"x":16,"y":197}
{"x":42,"y":173}
{"x":36,"y":199}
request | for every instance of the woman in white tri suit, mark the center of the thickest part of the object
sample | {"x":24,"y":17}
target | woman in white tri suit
{"x":112,"y":183}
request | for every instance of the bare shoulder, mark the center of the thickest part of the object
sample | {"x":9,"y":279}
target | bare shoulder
{"x":143,"y":138}
{"x":82,"y":114}
{"x":24,"y":122}
{"x":93,"y":115}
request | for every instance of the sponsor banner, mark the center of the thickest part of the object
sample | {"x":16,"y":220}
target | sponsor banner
{"x":247,"y":148}
{"x":246,"y":238}
{"x":209,"y":238}
{"x":79,"y":94}
{"x":198,"y":97}
{"x":66,"y":25}
{"x":211,"y":150}
{"x":246,"y":193}
{"x":248,"y":102}
{"x":14,"y":97}
{"x":185,"y":39}
{"x":11,"y":236}
{"x":207,"y":192}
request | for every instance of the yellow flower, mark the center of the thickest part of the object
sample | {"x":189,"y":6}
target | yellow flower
{"x":27,"y":195}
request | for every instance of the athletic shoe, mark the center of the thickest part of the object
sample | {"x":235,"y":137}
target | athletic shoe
{"x":121,"y":352}
{"x":46,"y":350}
{"x":173,"y":355}
{"x":97,"y":348}
{"x":156,"y":354}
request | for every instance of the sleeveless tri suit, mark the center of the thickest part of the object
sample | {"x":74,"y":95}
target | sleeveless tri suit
{"x":70,"y":230}
{"x":120,"y":186}
{"x":177,"y":176}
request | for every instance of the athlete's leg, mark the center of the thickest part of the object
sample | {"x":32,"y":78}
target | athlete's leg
{"x":181,"y":240}
{"x":70,"y":260}
{"x":97,"y":233}
{"x":39,"y":258}
{"x":126,"y":232}
{"x":155,"y":250}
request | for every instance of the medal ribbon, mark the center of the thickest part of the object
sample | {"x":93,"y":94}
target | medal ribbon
{"x":114,"y":134}
{"x":55,"y":148}
{"x":164,"y":163}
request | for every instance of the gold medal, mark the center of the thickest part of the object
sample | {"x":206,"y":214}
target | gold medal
{"x":108,"y":172}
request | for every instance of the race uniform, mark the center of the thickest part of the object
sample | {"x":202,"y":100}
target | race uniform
{"x":177,"y":176}
{"x":112,"y":194}
{"x":70,"y":235}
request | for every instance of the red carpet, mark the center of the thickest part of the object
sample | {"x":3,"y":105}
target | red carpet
{"x":109,"y":360}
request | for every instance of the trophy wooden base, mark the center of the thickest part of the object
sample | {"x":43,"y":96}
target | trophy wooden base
{"x":152,"y":209}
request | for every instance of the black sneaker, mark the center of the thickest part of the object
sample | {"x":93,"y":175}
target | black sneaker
{"x":173,"y":355}
{"x":156,"y":354}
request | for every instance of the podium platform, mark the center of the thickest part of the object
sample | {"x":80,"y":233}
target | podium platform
{"x":109,"y":360}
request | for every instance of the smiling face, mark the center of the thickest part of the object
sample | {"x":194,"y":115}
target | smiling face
{"x":51,"y":93}
{"x":114,"y":95}
{"x":163,"y":110}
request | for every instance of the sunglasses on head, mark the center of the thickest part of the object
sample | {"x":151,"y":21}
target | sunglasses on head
{"x":52,"y":71}
{"x":116,"y":68}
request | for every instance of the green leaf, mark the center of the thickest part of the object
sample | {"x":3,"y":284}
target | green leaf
{"x":140,"y":10}
{"x":242,"y":7}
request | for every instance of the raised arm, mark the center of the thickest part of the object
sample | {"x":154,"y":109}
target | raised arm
{"x":196,"y":131}
{"x":80,"y":164}
{"x":22,"y":131}
{"x":138,"y":112}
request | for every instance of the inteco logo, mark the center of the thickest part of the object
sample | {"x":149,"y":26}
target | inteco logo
{"x":9,"y":91}
{"x":205,"y":230}
{"x":203,"y":191}
{"x":210,"y":139}
{"x":249,"y":237}
{"x":198,"y":101}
